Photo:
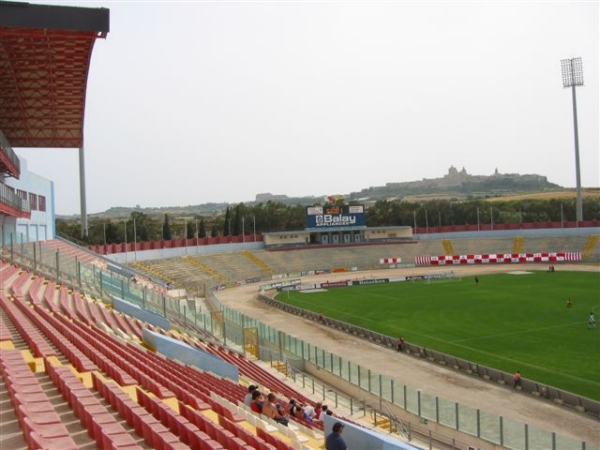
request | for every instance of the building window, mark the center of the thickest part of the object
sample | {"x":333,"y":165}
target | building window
{"x":33,"y":201}
{"x":21,"y":194}
{"x":42,"y":203}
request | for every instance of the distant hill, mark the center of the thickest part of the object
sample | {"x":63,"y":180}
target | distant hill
{"x":457,"y":185}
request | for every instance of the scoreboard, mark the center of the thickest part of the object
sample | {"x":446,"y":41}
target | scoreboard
{"x":335,"y":216}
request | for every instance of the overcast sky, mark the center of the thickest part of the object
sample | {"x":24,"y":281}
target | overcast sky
{"x":197,"y":102}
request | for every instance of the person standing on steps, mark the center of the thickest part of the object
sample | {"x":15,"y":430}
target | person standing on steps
{"x":334,"y":440}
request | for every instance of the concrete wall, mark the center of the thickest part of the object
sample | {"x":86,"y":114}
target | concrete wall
{"x":180,"y":351}
{"x":140,"y":313}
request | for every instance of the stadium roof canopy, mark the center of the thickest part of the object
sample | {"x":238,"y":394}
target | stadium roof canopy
{"x":45,"y":54}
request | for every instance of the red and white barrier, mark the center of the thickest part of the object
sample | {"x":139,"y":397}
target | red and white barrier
{"x":498,"y":258}
{"x":390,"y":260}
{"x":423,"y":260}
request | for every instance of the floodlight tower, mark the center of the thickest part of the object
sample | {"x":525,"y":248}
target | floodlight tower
{"x":572,"y":76}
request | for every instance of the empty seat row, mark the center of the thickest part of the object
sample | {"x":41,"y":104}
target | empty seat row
{"x":155,"y":434}
{"x":28,"y":331}
{"x":42,"y":426}
{"x":100,"y":423}
{"x":5,"y":333}
{"x":18,"y":286}
{"x":41,"y":319}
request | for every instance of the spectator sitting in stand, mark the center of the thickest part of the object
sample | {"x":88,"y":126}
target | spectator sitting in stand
{"x":292,"y":407}
{"x":248,"y":396}
{"x":258,"y":401}
{"x":299,"y":411}
{"x":309,"y":413}
{"x":271,"y":410}
{"x":318,"y":410}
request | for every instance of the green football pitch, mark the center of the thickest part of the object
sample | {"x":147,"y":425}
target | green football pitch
{"x":509,"y":321}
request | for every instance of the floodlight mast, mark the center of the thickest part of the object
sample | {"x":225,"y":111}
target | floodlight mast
{"x":572,"y":76}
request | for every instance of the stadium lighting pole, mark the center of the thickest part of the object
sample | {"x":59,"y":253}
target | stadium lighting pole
{"x":492,"y":218}
{"x":104,"y":233}
{"x":572,"y":76}
{"x":243,"y":231}
{"x":254,"y":226}
{"x":478,"y":219}
{"x":134,"y":241}
{"x":426,"y":222}
{"x":185,"y":232}
{"x":125,"y":232}
{"x":196,"y":231}
{"x":521,"y":214}
{"x":82,"y":198}
{"x":415,"y":221}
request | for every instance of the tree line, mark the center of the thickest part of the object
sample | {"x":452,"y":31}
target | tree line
{"x":274,"y":216}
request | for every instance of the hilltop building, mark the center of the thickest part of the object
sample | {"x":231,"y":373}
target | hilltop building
{"x":457,"y":179}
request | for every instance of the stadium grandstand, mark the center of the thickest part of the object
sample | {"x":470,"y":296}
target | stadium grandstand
{"x":133,"y":348}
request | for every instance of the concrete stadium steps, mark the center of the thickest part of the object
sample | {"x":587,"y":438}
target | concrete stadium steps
{"x":175,"y":271}
{"x":482,"y":246}
{"x":448,"y":247}
{"x":281,"y":366}
{"x":231,"y":267}
{"x":154,"y":270}
{"x":518,"y":244}
{"x":590,"y":246}
{"x":11,"y":435}
{"x":555,"y":244}
{"x":363,"y":257}
{"x":212,"y":273}
{"x":282,"y":262}
{"x":258,"y":262}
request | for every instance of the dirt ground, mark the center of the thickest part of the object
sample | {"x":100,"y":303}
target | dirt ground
{"x":421,"y":374}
